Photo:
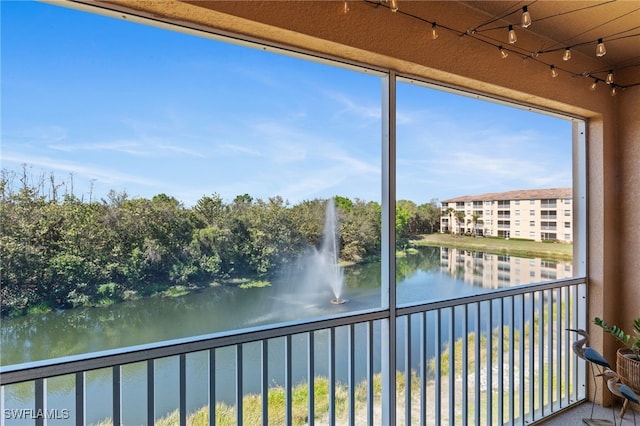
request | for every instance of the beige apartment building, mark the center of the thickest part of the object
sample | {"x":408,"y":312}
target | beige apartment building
{"x":534,"y":214}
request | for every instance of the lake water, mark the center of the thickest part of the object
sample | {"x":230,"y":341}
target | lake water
{"x":430,"y":274}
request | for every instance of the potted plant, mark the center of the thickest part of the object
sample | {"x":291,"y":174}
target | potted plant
{"x":628,"y":358}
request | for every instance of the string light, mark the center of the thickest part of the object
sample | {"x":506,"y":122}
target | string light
{"x":345,"y":8}
{"x":600,"y":49}
{"x":512,"y":35}
{"x":526,"y":17}
{"x":512,"y":38}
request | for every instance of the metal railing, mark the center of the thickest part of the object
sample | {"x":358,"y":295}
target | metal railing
{"x":501,"y":357}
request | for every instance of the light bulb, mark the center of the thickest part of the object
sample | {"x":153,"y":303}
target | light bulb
{"x":609,"y":79}
{"x":613,"y":91}
{"x":394,"y":6}
{"x":526,"y":17}
{"x":594,"y":85}
{"x":554,"y":72}
{"x":567,"y":54}
{"x":345,"y":8}
{"x":600,"y":49}
{"x":503,"y":53}
{"x":434,"y":31}
{"x":512,"y":35}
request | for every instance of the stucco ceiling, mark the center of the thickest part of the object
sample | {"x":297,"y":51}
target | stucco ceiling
{"x":556,"y":25}
{"x":575,"y":24}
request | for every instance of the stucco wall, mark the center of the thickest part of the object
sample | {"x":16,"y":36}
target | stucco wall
{"x":628,"y":114}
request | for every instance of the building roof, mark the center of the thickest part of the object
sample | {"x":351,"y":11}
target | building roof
{"x":518,"y":194}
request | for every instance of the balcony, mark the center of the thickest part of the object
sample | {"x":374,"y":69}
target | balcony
{"x":506,"y":349}
{"x":611,"y":164}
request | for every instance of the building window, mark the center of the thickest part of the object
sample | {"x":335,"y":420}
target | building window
{"x":517,"y":212}
{"x":567,"y":224}
{"x":517,"y":202}
{"x":567,"y":237}
{"x":567,"y":200}
{"x":532,"y":223}
{"x":532,"y":202}
{"x":517,"y":223}
{"x":532,"y":212}
{"x":567,"y":212}
{"x":532,"y":234}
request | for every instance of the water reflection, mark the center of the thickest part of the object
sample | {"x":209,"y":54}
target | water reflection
{"x":492,"y":271}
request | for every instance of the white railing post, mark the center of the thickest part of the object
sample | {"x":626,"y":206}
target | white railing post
{"x":388,"y":287}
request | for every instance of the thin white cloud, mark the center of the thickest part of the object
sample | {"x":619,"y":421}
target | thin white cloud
{"x":135,"y":148}
{"x":38,"y":134}
{"x":241,"y":149}
{"x":350,"y":106}
{"x":90,"y":172}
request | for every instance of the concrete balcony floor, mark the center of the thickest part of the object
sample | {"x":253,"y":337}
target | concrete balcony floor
{"x":575,"y":416}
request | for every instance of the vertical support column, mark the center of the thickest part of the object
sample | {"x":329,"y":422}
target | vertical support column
{"x":407,"y":370}
{"x":501,"y":363}
{"x":117,"y":396}
{"x":452,"y":363}
{"x":388,"y":287}
{"x":579,"y":143}
{"x":369,"y":373}
{"x":490,"y":364}
{"x":311,"y":373}
{"x":212,"y":387}
{"x":532,"y":356}
{"x":351,"y":367}
{"x":2,"y":405}
{"x":239,"y":390}
{"x":151,"y":398}
{"x":512,"y":361}
{"x":288,"y":385}
{"x":332,"y":376}
{"x":80,"y":399}
{"x":438,"y":370}
{"x":183,"y":390}
{"x":40,"y":402}
{"x":465,"y":365}
{"x":423,"y":368}
{"x":477,"y":381}
{"x":264,"y":384}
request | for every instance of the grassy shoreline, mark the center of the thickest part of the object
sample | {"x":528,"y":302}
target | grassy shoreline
{"x":515,"y":247}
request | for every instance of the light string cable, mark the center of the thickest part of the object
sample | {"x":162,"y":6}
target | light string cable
{"x":566,"y":42}
{"x":475,"y":33}
{"x":506,"y":12}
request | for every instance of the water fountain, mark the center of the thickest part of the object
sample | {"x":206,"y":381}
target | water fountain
{"x":328,"y":256}
{"x":316,"y":277}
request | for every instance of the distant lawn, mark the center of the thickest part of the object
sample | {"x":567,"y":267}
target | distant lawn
{"x":523,"y":248}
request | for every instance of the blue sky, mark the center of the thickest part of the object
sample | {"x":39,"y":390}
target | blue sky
{"x":110,"y":104}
